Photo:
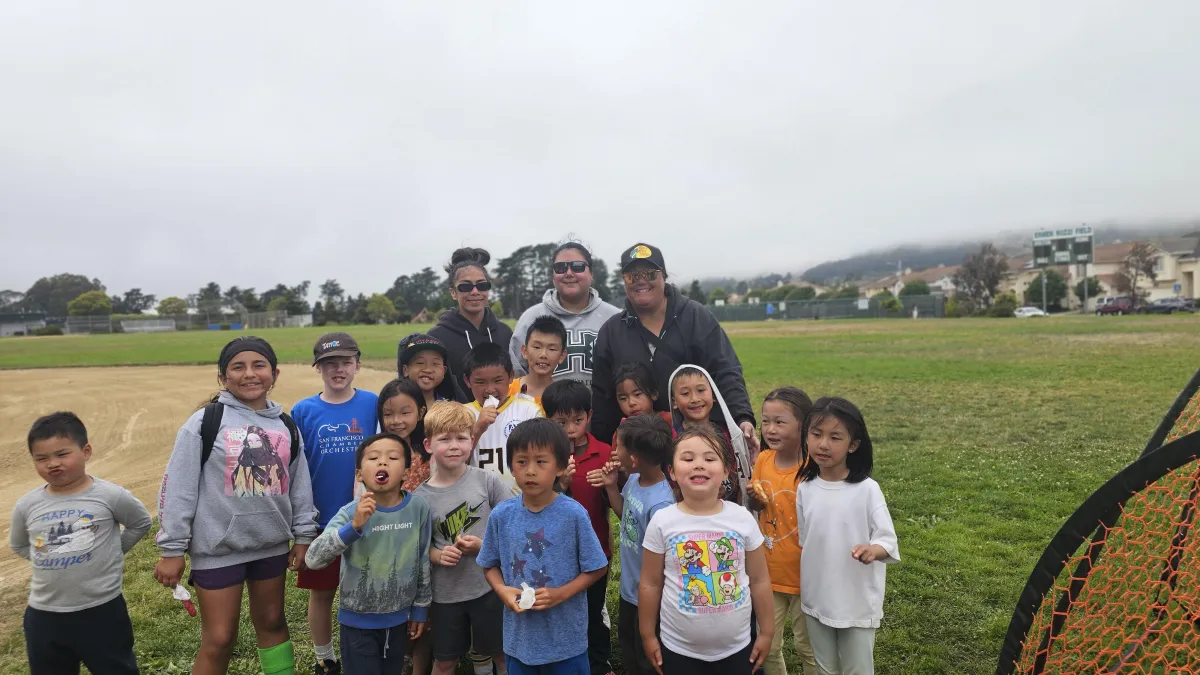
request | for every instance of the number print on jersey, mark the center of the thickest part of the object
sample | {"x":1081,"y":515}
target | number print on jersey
{"x":580,"y":344}
{"x":492,"y":459}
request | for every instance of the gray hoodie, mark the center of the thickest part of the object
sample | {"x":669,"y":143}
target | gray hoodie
{"x":247,"y":502}
{"x":582,"y":328}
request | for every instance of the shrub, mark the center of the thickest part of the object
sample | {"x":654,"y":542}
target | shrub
{"x":955,"y":309}
{"x":47,"y":330}
{"x":891,"y":304}
{"x":1005,"y":305}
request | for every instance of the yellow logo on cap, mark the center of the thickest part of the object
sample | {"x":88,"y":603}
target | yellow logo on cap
{"x":640,"y":251}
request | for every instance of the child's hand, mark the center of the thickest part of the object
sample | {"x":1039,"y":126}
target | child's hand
{"x":545,"y":598}
{"x":366,"y":508}
{"x":511,"y":596}
{"x":751,"y":437}
{"x":296,"y":557}
{"x":653,"y":652}
{"x":487,"y":416}
{"x":598,"y":478}
{"x":450,"y":556}
{"x":468,"y":544}
{"x":169,"y":571}
{"x":564,"y":481}
{"x":868,"y":553}
{"x":758,"y":654}
{"x":416,"y":629}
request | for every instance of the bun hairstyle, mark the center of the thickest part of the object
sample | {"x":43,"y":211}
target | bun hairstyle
{"x":573,"y":245}
{"x":467,"y":257}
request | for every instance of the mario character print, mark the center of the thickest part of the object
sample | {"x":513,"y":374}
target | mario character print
{"x":711,"y":577}
{"x":256,"y":462}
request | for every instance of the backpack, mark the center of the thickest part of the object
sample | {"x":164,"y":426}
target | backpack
{"x":210,"y":424}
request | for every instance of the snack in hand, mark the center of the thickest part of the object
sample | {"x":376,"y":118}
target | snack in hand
{"x":491,"y":402}
{"x":181,"y":594}
{"x":759,"y":491}
{"x":527,"y":596}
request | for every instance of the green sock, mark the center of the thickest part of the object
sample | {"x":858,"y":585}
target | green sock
{"x":278,"y":660}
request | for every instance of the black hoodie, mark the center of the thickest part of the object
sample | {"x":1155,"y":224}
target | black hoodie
{"x":460,"y":335}
{"x":690,"y":334}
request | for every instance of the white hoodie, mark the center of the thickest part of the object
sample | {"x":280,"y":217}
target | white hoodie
{"x":582,"y":328}
{"x":741,"y":453}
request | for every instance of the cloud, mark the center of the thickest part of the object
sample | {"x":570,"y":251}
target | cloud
{"x":163,"y":146}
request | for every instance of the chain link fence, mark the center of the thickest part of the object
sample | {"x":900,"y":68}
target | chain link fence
{"x":82,"y":325}
{"x":925,"y":306}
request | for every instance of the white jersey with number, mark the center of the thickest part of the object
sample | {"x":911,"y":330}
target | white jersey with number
{"x":490,"y":451}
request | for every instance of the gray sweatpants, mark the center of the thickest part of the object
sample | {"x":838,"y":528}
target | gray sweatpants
{"x":842,"y":651}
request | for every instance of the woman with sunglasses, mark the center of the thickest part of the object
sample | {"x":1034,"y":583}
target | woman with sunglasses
{"x":663,"y":329}
{"x":472,"y":322}
{"x":574,"y":302}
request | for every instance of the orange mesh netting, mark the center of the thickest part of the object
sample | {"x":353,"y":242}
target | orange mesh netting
{"x":1188,"y":420}
{"x":1136,"y":607}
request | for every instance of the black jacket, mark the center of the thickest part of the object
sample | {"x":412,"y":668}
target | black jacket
{"x":691,"y":334}
{"x":459,"y":335}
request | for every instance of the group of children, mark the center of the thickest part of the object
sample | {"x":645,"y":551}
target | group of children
{"x":450,"y":528}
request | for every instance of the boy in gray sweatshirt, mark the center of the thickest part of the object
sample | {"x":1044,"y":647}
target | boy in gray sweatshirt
{"x":71,"y":530}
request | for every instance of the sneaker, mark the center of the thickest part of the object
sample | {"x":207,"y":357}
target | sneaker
{"x":328,"y":668}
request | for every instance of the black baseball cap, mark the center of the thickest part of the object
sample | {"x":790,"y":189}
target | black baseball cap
{"x":419,"y":342}
{"x":646,"y":252}
{"x":334,"y":344}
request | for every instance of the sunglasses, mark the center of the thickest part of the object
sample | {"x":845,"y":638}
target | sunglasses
{"x":466,"y":286}
{"x":576,"y":266}
{"x":640,"y":275}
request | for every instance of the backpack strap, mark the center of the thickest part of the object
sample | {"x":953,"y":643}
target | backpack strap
{"x":295,"y":432}
{"x":210,"y":424}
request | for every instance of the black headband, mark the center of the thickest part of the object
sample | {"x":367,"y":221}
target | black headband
{"x":246,"y":344}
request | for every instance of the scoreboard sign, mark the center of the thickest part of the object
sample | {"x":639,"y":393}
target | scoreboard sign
{"x":1062,"y":246}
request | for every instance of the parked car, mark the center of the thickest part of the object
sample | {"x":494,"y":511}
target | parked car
{"x":1118,"y":305}
{"x":1170,"y":306}
{"x":1028,"y":312}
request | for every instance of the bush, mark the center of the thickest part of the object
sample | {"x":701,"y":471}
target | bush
{"x":955,"y":309}
{"x":1005,"y":305}
{"x":47,"y":330}
{"x":891,"y":304}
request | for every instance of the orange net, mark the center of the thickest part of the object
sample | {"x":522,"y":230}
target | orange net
{"x":1188,"y":420}
{"x":1135,"y":607}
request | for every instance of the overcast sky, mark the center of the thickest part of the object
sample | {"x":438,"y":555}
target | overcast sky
{"x":163,"y":146}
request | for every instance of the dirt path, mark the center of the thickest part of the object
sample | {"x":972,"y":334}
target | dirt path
{"x":132,"y":415}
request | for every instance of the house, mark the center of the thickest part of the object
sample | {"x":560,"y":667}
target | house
{"x":940,"y":280}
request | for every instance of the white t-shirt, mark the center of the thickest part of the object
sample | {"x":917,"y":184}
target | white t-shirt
{"x":833,"y":518}
{"x":489,"y":453}
{"x":705,"y":609}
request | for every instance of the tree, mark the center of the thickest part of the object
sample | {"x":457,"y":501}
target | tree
{"x":915,"y":287}
{"x":717,"y":293}
{"x":742,"y":288}
{"x":979,"y":277}
{"x":332,"y":293}
{"x":1093,"y":289}
{"x":600,"y":279}
{"x":402,"y":313}
{"x":888,"y":302}
{"x":380,"y":309}
{"x":1139,"y":263}
{"x":91,"y":303}
{"x":1005,"y":305}
{"x":847,"y":291}
{"x":50,"y":295}
{"x":419,"y":291}
{"x":318,"y":314}
{"x":10,"y":300}
{"x":616,"y":286}
{"x":135,"y":302}
{"x":800,"y":293}
{"x":278,"y":304}
{"x":172,"y":306}
{"x":696,"y":293}
{"x":523,"y":277}
{"x":1056,"y":289}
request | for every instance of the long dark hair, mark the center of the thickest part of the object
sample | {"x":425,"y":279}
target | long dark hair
{"x":409,"y":388}
{"x":858,"y":462}
{"x":801,"y":405}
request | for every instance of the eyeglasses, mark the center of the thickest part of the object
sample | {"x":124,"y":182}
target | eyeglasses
{"x":466,"y":286}
{"x":576,"y":266}
{"x":640,"y":275}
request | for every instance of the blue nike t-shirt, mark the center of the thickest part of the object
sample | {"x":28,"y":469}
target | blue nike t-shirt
{"x":332,"y":433}
{"x":548,"y":548}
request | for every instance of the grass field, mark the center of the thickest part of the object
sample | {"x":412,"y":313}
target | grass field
{"x":989,"y":433}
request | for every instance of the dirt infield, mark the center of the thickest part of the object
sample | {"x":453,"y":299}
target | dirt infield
{"x":132,"y":415}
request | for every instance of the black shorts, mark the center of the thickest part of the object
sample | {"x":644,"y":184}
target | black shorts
{"x":100,"y":637}
{"x":472,"y":624}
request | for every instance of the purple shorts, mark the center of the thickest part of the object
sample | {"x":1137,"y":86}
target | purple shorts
{"x":233,"y":575}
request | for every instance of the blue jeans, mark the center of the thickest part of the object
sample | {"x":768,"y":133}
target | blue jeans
{"x":576,"y":665}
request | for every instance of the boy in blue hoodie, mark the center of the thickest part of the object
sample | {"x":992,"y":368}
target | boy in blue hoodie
{"x":383,"y":538}
{"x":333,"y":423}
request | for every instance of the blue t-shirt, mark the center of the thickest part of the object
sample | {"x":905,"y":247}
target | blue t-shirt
{"x":549,"y":548}
{"x":332,"y":432}
{"x":641,"y":503}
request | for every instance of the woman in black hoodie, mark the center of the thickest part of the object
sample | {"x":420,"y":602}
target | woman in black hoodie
{"x":472,"y":321}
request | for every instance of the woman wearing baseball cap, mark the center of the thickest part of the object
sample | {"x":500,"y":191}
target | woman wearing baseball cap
{"x":663,"y":329}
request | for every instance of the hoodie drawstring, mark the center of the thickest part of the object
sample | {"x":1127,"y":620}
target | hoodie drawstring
{"x":387,"y":634}
{"x":489,"y":330}
{"x":467,"y":333}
